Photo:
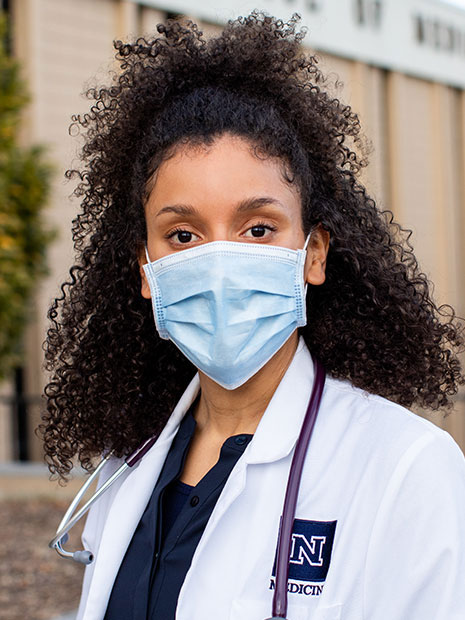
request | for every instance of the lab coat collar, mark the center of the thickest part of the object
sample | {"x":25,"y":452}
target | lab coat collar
{"x":280,"y":425}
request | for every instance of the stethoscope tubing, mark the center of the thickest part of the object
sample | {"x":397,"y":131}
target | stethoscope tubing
{"x":279,"y":608}
{"x":70,"y":521}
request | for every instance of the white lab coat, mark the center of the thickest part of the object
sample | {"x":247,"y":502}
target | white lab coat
{"x":394,"y":483}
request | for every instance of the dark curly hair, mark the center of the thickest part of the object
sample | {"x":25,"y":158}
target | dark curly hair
{"x":114,"y":381}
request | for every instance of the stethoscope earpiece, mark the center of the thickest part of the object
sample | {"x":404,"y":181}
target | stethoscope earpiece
{"x":83,"y":557}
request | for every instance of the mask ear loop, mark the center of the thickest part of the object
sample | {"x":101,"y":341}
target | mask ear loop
{"x":309,"y":236}
{"x":307,"y":241}
{"x":147,"y":254}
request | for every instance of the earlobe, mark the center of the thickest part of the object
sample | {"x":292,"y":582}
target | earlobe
{"x":317,"y":252}
{"x":316,"y":275}
{"x":145,"y":288}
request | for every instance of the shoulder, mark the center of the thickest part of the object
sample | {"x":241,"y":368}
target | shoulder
{"x":364,"y":429}
{"x":388,"y":432}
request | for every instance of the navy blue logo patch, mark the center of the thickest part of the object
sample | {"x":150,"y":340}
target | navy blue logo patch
{"x":311,"y":547}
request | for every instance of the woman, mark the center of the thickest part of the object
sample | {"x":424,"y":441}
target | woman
{"x":220,"y":197}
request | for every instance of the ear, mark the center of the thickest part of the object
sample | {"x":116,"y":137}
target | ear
{"x":317,"y":252}
{"x":145,"y":288}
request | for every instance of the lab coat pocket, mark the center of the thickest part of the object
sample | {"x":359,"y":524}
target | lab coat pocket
{"x":328,"y":613}
{"x":246,"y":609}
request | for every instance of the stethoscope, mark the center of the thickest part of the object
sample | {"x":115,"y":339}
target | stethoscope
{"x":279,"y":607}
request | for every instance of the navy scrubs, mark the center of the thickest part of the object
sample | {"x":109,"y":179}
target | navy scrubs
{"x":156,"y":562}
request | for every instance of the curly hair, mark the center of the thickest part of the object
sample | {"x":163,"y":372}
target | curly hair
{"x":114,"y":382}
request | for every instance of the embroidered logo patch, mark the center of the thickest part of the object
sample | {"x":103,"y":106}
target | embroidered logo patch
{"x":311,"y":547}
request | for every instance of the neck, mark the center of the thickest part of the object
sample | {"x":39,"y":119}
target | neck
{"x":224,"y":413}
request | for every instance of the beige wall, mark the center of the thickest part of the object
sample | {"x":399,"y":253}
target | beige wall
{"x":425,"y":144}
{"x":416,"y":169}
{"x":416,"y":129}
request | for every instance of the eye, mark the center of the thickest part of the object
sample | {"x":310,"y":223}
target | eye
{"x":179,"y":235}
{"x":259,"y":230}
{"x":183,"y":236}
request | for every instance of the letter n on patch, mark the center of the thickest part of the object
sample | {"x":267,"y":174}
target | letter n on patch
{"x":311,"y":547}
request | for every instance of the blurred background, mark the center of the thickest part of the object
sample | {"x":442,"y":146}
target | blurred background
{"x":399,"y":63}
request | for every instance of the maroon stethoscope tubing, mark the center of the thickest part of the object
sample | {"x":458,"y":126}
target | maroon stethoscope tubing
{"x":279,"y":608}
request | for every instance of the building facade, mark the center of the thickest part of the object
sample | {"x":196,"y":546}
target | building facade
{"x":399,"y":63}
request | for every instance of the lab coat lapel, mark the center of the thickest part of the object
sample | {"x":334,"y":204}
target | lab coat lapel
{"x":127,"y":508}
{"x":189,"y":591}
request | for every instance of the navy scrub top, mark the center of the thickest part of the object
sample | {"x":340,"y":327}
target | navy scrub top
{"x":160,"y":553}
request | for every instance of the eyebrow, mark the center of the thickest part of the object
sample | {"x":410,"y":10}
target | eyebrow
{"x":249,"y":204}
{"x":179,"y":209}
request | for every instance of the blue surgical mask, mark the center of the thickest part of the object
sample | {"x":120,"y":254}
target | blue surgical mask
{"x":229,"y":307}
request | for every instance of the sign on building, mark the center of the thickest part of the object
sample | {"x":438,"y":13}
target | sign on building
{"x":424,"y":38}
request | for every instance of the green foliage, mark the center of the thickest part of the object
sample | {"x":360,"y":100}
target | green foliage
{"x":24,"y":187}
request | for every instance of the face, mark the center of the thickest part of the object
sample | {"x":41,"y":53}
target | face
{"x":224,"y":192}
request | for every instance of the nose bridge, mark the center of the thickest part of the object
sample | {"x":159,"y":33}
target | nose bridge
{"x":219,"y":224}
{"x":220,"y":231}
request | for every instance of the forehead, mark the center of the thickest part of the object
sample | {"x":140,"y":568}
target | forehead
{"x":229,"y":170}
